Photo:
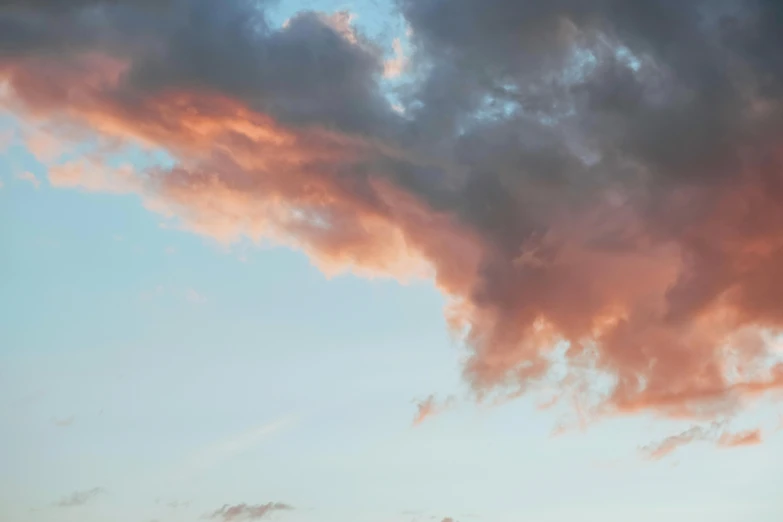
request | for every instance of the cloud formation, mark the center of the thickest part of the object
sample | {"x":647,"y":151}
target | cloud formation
{"x":713,"y":433}
{"x":29,"y":177}
{"x":599,"y":175}
{"x":248,"y":512}
{"x":744,"y":438}
{"x":64,"y":422}
{"x":430,"y":407}
{"x":79,"y":498}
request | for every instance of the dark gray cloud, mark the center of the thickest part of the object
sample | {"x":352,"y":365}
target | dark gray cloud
{"x":602,"y":172}
{"x":307,"y":72}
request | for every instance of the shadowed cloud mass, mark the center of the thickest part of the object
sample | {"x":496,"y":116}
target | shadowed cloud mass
{"x":594,"y":184}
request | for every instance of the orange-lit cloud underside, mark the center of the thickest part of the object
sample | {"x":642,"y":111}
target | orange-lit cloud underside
{"x":243,"y":173}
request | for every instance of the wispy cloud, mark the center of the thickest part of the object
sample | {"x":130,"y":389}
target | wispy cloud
{"x":64,"y":422}
{"x":30,"y":178}
{"x":670,"y":444}
{"x":194,"y":297}
{"x":711,"y":433}
{"x":743,"y":438}
{"x":214,"y":454}
{"x":79,"y":498}
{"x":248,"y":512}
{"x":154,"y":293}
{"x":172,"y":504}
{"x":430,"y":407}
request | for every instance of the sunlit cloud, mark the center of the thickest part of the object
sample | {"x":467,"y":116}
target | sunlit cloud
{"x":553,"y":174}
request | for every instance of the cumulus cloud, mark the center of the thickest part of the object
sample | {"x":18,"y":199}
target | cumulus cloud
{"x":596,"y":174}
{"x":79,"y":498}
{"x":248,"y":512}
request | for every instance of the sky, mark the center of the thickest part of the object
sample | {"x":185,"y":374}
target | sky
{"x":391,"y":260}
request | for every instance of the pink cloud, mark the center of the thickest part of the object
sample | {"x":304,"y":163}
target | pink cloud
{"x":744,"y":438}
{"x":248,"y":512}
{"x":663,"y":281}
{"x":430,"y":407}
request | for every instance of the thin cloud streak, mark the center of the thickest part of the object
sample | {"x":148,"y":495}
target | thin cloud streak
{"x":248,"y":512}
{"x":64,"y":422}
{"x":231,"y":447}
{"x":431,"y":407}
{"x":79,"y":498}
{"x":744,"y":438}
{"x":713,"y":433}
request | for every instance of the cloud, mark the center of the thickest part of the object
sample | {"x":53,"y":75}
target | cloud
{"x":222,"y":450}
{"x":173,"y":504}
{"x":30,"y":178}
{"x":711,"y":433}
{"x":248,"y":512}
{"x":600,"y":175}
{"x":430,"y":407}
{"x":745,"y":438}
{"x":64,"y":422}
{"x":674,"y":442}
{"x":395,"y":66}
{"x":79,"y":498}
{"x":195,"y":297}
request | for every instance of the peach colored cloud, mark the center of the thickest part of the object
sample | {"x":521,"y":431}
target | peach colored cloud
{"x":713,"y":433}
{"x":79,"y":498}
{"x":243,"y":174}
{"x":655,"y":258}
{"x":396,"y":65}
{"x":745,"y":438}
{"x":430,"y":407}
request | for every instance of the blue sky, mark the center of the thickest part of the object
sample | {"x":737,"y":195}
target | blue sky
{"x":179,"y":374}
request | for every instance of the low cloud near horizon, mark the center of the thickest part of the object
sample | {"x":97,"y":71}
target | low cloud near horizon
{"x":248,"y":512}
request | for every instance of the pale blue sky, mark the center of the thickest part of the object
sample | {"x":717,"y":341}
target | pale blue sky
{"x":163,"y":367}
